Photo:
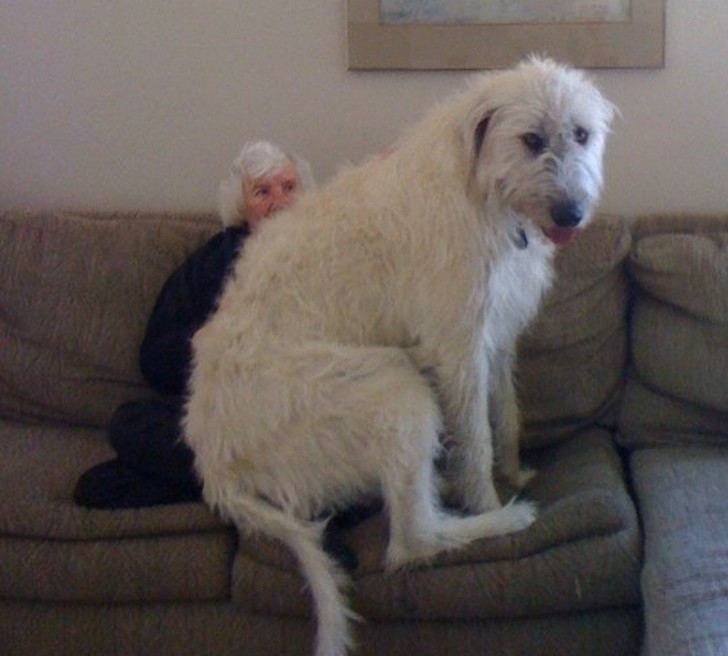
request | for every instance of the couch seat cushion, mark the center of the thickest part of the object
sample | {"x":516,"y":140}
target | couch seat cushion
{"x":52,"y":550}
{"x":582,"y":553}
{"x":682,"y":493}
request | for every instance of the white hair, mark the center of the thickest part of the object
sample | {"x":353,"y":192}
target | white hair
{"x":256,"y":159}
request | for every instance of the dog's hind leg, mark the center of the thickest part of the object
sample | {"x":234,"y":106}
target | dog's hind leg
{"x":419,"y":526}
{"x":420,"y":529}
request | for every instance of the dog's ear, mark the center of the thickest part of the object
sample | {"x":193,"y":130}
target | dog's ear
{"x":479,"y":135}
{"x":476,"y":134}
{"x":475,"y":131}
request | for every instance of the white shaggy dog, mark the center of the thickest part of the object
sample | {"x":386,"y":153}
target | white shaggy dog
{"x":381,"y":313}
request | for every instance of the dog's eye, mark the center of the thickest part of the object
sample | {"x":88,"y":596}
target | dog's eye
{"x":535,"y":142}
{"x":581,"y":135}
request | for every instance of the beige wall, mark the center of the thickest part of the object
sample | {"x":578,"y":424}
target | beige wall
{"x":137,"y":104}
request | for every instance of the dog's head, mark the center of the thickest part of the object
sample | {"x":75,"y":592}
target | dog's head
{"x":535,"y":137}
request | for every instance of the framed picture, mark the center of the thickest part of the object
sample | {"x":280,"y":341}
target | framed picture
{"x":481,"y":34}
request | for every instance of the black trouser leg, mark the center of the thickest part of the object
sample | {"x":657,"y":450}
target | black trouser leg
{"x":153,"y":466}
{"x":147,"y":436}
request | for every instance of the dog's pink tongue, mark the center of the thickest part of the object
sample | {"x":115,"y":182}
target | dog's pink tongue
{"x":560,"y":236}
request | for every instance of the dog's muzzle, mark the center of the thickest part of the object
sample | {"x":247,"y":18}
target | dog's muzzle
{"x":566,"y":214}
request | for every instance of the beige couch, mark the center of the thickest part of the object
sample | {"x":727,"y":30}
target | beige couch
{"x":75,"y":292}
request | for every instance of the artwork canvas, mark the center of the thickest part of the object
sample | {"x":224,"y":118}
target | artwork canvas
{"x":459,"y":12}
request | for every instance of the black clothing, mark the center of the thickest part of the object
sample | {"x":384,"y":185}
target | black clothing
{"x":114,"y":485}
{"x":153,"y":465}
{"x":186,"y":301}
{"x":146,"y":436}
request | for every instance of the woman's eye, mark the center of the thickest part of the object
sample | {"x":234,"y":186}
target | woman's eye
{"x":581,"y":135}
{"x":535,"y":142}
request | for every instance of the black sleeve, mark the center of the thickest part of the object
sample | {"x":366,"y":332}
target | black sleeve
{"x":187,"y":299}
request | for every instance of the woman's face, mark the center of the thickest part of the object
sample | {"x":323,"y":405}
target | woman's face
{"x":268,"y":194}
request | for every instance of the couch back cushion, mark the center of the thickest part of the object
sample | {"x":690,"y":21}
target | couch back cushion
{"x":572,"y":359}
{"x":678,"y":387}
{"x":75,"y":294}
{"x":76,"y":291}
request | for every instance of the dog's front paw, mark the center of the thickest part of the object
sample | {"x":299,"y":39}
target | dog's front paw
{"x":471,"y":500}
{"x":479,"y":506}
{"x":523,"y":478}
{"x":516,"y":481}
{"x":480,"y":497}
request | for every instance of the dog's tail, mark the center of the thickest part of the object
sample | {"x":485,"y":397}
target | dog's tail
{"x":325,"y":578}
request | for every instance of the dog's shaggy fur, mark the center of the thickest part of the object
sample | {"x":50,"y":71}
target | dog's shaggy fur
{"x":381,"y":314}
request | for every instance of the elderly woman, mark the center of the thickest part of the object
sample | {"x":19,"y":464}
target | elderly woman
{"x":153,"y":466}
{"x":263,"y":179}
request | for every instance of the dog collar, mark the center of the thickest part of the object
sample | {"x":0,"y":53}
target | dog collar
{"x":520,"y":239}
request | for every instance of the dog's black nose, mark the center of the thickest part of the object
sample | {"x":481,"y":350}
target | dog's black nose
{"x":567,"y":214}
